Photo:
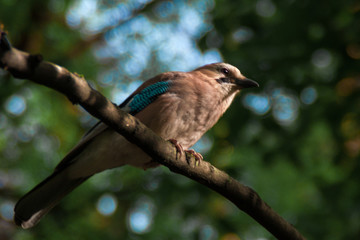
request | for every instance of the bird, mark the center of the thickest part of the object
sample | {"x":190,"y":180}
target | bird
{"x":178,"y":106}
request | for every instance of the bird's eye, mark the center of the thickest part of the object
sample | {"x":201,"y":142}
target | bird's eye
{"x":225,"y":71}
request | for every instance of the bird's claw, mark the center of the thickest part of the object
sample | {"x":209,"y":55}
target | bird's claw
{"x":179,"y":148}
{"x":198,"y":157}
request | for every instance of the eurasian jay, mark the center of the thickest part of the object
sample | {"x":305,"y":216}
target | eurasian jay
{"x":175,"y":105}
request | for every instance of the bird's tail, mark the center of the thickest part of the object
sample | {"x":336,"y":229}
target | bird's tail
{"x":40,"y":200}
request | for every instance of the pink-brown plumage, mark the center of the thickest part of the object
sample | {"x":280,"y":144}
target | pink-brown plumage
{"x":191,"y":105}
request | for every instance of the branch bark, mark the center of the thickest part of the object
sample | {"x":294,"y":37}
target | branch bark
{"x":23,"y":65}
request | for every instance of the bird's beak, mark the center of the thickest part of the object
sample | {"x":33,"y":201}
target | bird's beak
{"x":246,"y":83}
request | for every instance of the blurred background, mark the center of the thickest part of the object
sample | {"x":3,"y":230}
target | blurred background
{"x":295,"y":140}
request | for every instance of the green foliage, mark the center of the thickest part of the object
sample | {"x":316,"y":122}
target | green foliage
{"x":300,"y":152}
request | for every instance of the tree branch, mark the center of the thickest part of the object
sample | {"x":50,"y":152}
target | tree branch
{"x":26,"y":66}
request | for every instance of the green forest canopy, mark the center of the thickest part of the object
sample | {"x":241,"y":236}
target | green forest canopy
{"x":296,"y":140}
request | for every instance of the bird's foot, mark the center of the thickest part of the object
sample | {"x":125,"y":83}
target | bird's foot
{"x":179,"y":148}
{"x":198,"y":157}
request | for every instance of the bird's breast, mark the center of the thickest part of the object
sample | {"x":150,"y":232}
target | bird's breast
{"x":182,"y":117}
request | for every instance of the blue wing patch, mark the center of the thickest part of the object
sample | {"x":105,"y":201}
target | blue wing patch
{"x":145,"y":97}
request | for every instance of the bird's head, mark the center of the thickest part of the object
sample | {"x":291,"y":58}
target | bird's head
{"x":227,"y":76}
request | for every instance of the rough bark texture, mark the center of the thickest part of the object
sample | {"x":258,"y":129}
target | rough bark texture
{"x":32,"y":67}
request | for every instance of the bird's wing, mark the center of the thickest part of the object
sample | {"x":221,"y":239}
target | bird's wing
{"x":149,"y":91}
{"x":146,"y":96}
{"x":137,"y":101}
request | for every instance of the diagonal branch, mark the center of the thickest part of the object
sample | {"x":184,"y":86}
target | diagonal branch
{"x":26,"y":66}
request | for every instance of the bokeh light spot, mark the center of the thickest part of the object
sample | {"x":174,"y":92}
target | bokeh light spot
{"x":308,"y":95}
{"x":242,"y":34}
{"x":321,"y":58}
{"x":207,"y":232}
{"x":353,"y":50}
{"x":139,"y":221}
{"x":26,"y":133}
{"x":106,"y":204}
{"x":140,"y":218}
{"x":265,"y":8}
{"x":7,"y":210}
{"x":191,"y":21}
{"x":285,"y":107}
{"x":15,"y":105}
{"x":259,"y":104}
{"x":347,"y":86}
{"x":81,"y":10}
